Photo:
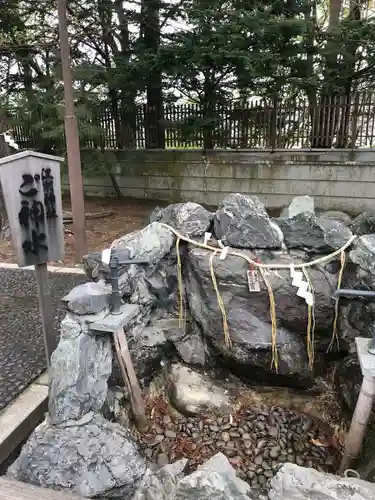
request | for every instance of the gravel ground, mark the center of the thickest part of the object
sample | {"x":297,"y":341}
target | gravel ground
{"x":255,"y":440}
{"x":22,"y":357}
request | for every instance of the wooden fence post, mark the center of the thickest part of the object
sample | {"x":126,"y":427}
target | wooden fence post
{"x":355,"y":121}
{"x":273,"y":127}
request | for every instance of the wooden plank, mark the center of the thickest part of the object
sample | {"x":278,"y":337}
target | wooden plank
{"x":20,"y":418}
{"x":14,"y":490}
{"x":130,"y":380}
{"x":46,"y":310}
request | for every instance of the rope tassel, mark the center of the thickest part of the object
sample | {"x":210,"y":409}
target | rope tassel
{"x":220,"y":302}
{"x":275,"y":354}
{"x":181,"y":312}
{"x":310,"y":333}
{"x":335,"y":336}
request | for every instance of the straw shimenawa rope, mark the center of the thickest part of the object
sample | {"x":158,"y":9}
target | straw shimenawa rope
{"x":275,"y":354}
{"x":262,"y":268}
{"x":181,"y":315}
{"x":335,"y":336}
{"x":310,"y":333}
{"x":321,"y":260}
{"x":227,"y":339}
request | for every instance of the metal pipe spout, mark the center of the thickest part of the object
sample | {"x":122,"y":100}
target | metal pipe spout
{"x":115,"y":297}
{"x":348,"y":292}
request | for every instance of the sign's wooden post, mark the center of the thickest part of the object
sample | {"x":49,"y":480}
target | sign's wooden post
{"x":32,"y":194}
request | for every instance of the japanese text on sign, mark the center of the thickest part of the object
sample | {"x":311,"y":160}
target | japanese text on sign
{"x":33,"y":214}
{"x":32,"y":193}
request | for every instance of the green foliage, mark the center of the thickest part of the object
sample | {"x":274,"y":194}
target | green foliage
{"x":219,"y":53}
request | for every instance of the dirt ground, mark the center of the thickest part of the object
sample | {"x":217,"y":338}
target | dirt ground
{"x":118,"y":218}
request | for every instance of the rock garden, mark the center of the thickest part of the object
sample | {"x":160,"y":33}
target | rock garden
{"x":245,"y":358}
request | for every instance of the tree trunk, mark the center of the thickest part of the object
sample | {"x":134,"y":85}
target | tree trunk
{"x":243,"y":111}
{"x":25,"y":59}
{"x":209,"y":111}
{"x":154,"y":131}
{"x":105,"y":15}
{"x":348,"y":64}
{"x":326,"y":114}
{"x":127,"y":108}
{"x":311,"y":22}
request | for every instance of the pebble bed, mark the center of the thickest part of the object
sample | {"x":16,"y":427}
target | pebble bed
{"x":255,"y":441}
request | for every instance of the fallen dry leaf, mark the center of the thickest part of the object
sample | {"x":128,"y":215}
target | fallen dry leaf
{"x":323,"y":442}
{"x":236,"y":462}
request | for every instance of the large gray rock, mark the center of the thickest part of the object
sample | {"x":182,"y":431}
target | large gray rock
{"x":161,"y":484}
{"x":363,"y":253}
{"x":241,"y":221}
{"x":215,"y":479}
{"x":80,"y":368}
{"x":316,"y":234}
{"x":91,"y":457}
{"x":148,"y":346}
{"x":88,"y":298}
{"x":161,"y":281}
{"x":194,"y":393}
{"x":189,"y":218}
{"x":338,"y":216}
{"x":153,"y":285}
{"x":297,"y":483}
{"x":364,"y":224}
{"x":131,"y":279}
{"x":117,"y":407}
{"x":151,"y":243}
{"x":299,"y":205}
{"x":248,"y":313}
{"x":349,"y":378}
{"x":356,"y":319}
{"x":186,"y":339}
{"x":357,"y":315}
{"x":149,"y":341}
{"x":189,"y":344}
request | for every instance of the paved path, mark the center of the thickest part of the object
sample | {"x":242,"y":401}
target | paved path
{"x":22,"y":356}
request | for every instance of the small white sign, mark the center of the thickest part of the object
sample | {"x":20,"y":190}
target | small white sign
{"x":253,"y":280}
{"x":224,"y":253}
{"x":106,"y":256}
{"x":207,"y":237}
{"x":302,"y":290}
{"x":297,"y":279}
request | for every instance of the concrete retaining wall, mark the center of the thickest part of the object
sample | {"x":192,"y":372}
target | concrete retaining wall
{"x":338,"y":179}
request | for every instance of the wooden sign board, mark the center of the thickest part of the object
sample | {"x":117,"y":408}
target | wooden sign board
{"x":31,"y":188}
